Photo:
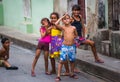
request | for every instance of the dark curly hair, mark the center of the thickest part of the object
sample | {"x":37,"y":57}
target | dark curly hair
{"x":54,"y":13}
{"x":4,"y":40}
{"x":76,"y":7}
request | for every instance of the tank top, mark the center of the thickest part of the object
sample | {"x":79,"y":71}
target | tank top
{"x":55,"y":32}
{"x":78,"y":26}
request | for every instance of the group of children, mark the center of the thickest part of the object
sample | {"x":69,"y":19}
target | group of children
{"x":62,"y":40}
{"x":58,"y":41}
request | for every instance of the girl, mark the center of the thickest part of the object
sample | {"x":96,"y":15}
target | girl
{"x":77,"y":21}
{"x":56,"y":42}
{"x":43,"y":44}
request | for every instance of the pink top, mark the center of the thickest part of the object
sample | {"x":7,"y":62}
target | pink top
{"x":46,"y":38}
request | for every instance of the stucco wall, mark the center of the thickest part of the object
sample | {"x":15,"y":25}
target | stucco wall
{"x":14,"y":13}
{"x":60,"y":6}
{"x":40,"y":9}
{"x":115,"y":42}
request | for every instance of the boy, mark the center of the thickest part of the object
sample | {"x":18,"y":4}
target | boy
{"x":4,"y":54}
{"x":68,"y":45}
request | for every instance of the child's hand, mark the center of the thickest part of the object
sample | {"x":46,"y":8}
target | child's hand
{"x":65,"y":15}
{"x":6,"y":57}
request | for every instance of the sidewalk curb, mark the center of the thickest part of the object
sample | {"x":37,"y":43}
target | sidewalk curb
{"x":99,"y":71}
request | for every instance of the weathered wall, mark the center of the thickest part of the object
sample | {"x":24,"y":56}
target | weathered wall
{"x":115,"y":42}
{"x":60,"y":6}
{"x":110,"y":23}
{"x":101,"y":35}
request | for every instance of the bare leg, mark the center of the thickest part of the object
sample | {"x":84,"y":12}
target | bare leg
{"x":59,"y":70}
{"x":72,"y":66}
{"x":53,"y":71}
{"x":92,"y":44}
{"x":38,"y":51}
{"x":46,"y":54}
{"x":72,"y":75}
{"x":66,"y":68}
{"x":6,"y":63}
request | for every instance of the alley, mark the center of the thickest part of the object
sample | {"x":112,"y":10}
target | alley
{"x":23,"y":58}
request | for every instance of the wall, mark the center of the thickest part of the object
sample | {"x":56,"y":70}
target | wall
{"x":92,"y":17}
{"x":115,"y":43}
{"x":14,"y":14}
{"x":60,"y":6}
{"x":1,"y":13}
{"x":40,"y":9}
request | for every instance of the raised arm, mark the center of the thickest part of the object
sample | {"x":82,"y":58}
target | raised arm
{"x":58,"y":21}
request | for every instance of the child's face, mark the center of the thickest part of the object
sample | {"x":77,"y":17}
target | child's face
{"x":66,"y":20}
{"x":53,"y":19}
{"x":7,"y":43}
{"x":45,"y":23}
{"x":75,"y":12}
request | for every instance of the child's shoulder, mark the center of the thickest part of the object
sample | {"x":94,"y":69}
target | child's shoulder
{"x":2,"y":49}
{"x":73,"y":27}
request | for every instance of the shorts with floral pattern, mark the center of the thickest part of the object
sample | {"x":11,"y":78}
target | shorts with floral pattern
{"x":67,"y":53}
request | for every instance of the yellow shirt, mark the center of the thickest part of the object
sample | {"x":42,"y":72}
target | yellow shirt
{"x":55,"y":32}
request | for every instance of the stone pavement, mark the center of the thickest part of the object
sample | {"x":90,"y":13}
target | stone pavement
{"x":110,"y":70}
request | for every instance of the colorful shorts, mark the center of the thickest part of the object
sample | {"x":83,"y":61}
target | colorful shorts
{"x":67,"y":53}
{"x":56,"y":43}
{"x":79,"y":41}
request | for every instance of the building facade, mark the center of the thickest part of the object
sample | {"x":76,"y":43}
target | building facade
{"x":25,"y":15}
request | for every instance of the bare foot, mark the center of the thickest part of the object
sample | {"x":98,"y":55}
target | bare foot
{"x":99,"y":61}
{"x":65,"y":74}
{"x":47,"y":73}
{"x":33,"y":74}
{"x":74,"y":76}
{"x":53,"y":72}
{"x":76,"y":70}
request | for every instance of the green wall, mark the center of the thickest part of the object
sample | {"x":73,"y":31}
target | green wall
{"x":40,"y":9}
{"x":14,"y":14}
{"x":1,"y":13}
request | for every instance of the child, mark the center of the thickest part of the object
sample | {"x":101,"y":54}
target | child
{"x":77,"y":21}
{"x":68,"y":46}
{"x":43,"y":44}
{"x":4,"y":54}
{"x":56,"y":42}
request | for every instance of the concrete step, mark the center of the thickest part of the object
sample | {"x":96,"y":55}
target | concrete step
{"x":106,"y":47}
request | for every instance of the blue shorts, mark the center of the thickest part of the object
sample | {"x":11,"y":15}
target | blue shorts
{"x":67,"y":53}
